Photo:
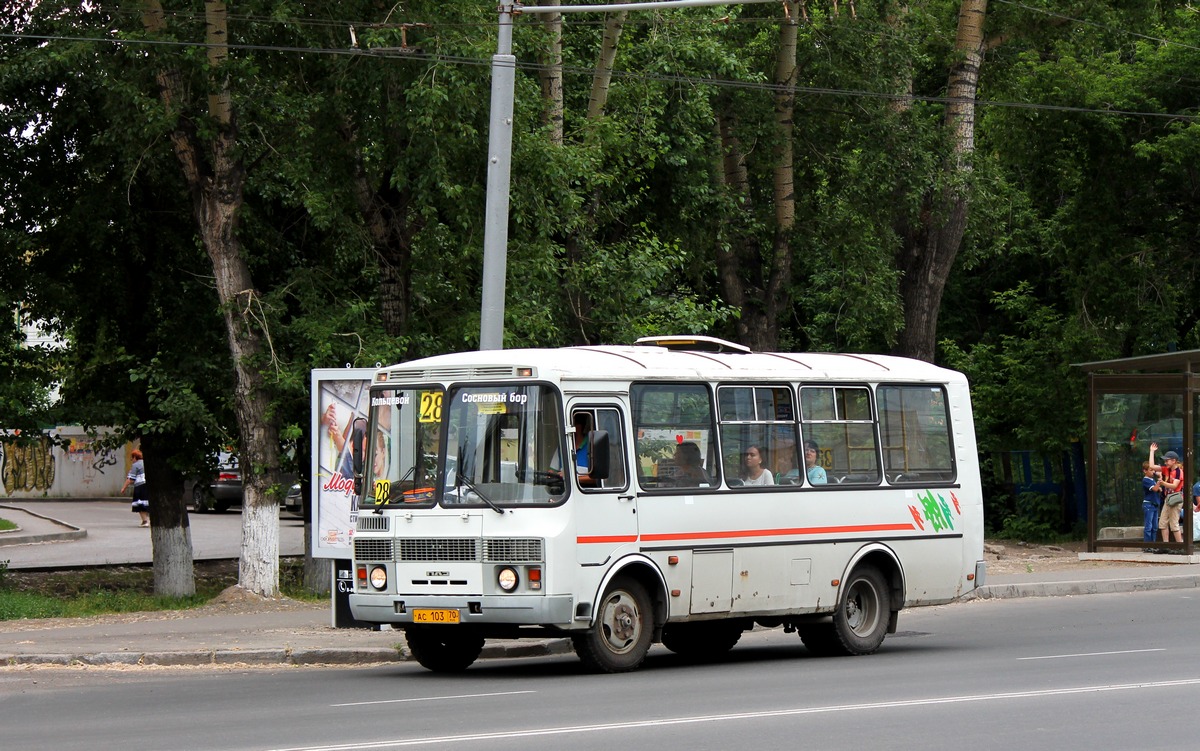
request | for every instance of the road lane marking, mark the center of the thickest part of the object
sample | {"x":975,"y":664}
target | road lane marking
{"x":1094,"y":654}
{"x":431,"y":698}
{"x":698,"y":719}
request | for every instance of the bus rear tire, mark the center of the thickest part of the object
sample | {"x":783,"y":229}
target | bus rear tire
{"x":443,"y":649}
{"x":701,"y":640}
{"x":620,"y":638}
{"x":861,"y":619}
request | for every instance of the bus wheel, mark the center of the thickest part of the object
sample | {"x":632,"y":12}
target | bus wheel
{"x":620,"y":637}
{"x":861,"y":619}
{"x":443,"y":649}
{"x":701,"y":640}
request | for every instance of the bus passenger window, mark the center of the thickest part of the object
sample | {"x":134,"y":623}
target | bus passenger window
{"x":665,"y":417}
{"x":758,"y":436}
{"x":914,"y":426}
{"x":838,"y":420}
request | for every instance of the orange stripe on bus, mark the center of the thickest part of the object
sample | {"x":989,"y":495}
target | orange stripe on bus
{"x":788,"y":532}
{"x":602,"y":538}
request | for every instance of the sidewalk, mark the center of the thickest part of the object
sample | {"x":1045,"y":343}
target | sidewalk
{"x":285,"y":632}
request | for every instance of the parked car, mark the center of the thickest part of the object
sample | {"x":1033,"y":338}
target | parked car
{"x":293,"y":502}
{"x":220,"y":492}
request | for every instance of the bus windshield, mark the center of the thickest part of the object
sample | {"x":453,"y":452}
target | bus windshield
{"x":490,"y":446}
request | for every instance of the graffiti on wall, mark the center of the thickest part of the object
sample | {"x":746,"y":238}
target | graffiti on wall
{"x":80,"y":451}
{"x":27,"y":467}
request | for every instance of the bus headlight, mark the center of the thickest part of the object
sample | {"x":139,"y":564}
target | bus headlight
{"x":379,"y":577}
{"x":507,"y":579}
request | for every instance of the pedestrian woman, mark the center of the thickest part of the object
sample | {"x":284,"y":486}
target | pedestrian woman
{"x":137,"y":476}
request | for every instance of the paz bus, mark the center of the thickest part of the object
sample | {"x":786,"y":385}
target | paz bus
{"x":681,"y":490}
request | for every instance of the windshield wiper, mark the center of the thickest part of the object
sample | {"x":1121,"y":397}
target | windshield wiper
{"x":399,"y":484}
{"x":460,"y":479}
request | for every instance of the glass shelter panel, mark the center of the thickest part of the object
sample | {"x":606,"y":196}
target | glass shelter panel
{"x":1125,"y":427}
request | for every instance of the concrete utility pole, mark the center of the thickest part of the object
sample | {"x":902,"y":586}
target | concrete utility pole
{"x":504,"y":73}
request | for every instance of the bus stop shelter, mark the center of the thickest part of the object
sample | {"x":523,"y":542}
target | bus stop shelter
{"x":1132,"y":403}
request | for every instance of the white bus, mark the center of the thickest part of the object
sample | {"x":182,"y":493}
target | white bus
{"x":660,"y":492}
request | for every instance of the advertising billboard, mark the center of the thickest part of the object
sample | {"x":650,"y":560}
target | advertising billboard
{"x":339,"y":423}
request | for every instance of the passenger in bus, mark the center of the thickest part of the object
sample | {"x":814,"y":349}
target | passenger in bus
{"x":688,"y":469}
{"x":785,"y":467}
{"x":753,"y":471}
{"x":815,"y":472}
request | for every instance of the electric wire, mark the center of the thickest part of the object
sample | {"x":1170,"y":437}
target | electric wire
{"x":416,"y":54}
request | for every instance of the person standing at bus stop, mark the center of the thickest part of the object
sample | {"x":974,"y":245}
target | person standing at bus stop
{"x":1171,"y":484}
{"x":1151,"y":501}
{"x":137,"y":476}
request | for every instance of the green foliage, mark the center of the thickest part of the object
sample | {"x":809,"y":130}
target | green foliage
{"x":1037,"y":518}
{"x":6,"y":525}
{"x":365,"y":190}
{"x":1025,"y":391}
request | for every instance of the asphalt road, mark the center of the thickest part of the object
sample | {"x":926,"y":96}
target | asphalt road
{"x":1100,"y":672}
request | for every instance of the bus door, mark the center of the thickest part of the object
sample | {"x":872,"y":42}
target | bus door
{"x":604,"y":508}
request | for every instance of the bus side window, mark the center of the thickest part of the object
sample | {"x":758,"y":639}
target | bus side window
{"x":914,"y":426}
{"x":838,"y":419}
{"x":758,"y":436}
{"x":609,"y":423}
{"x":665,"y":416}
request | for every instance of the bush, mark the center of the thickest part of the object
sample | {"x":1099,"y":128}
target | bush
{"x":1038,"y":518}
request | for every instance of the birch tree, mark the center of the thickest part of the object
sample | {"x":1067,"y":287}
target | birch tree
{"x":215,"y":174}
{"x":929,"y":247}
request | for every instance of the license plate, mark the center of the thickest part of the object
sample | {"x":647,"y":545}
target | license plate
{"x":435,"y":616}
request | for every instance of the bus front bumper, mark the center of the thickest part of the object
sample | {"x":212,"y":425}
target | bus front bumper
{"x":532,"y":610}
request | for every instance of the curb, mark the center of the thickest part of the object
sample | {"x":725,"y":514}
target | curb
{"x":280,"y":656}
{"x":1081,"y":587}
{"x":73,"y":533}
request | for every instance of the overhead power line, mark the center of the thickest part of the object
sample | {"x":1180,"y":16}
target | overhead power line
{"x":417,"y":55}
{"x":1093,"y":24}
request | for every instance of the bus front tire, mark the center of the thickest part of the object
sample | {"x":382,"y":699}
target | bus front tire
{"x":443,"y":649}
{"x":620,"y":638}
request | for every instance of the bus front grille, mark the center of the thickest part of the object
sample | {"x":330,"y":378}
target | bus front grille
{"x":439,"y":549}
{"x":372,"y":550}
{"x":372,"y":523}
{"x":512,"y":550}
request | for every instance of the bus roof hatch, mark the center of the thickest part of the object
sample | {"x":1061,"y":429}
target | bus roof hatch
{"x":693,"y":344}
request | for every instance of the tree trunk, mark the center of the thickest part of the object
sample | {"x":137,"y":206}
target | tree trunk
{"x":613,"y":25}
{"x":753,"y":280}
{"x":551,"y":75}
{"x":578,"y":296}
{"x":170,"y":532}
{"x":215,"y":177}
{"x":391,"y":225}
{"x":736,"y":181}
{"x":927,"y":254}
{"x":767,"y":338}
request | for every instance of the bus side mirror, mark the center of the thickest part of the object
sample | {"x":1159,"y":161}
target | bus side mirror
{"x":598,"y":454}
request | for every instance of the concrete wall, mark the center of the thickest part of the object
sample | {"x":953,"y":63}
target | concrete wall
{"x":72,"y":470}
